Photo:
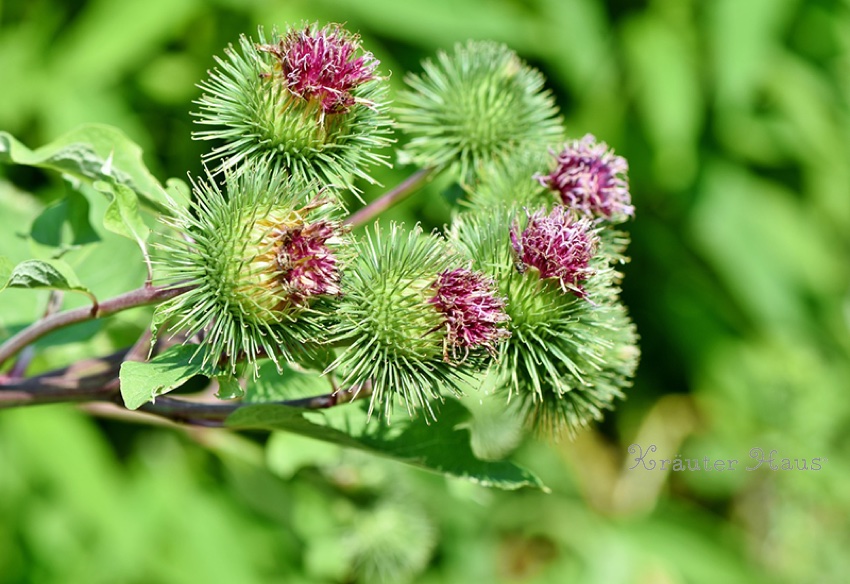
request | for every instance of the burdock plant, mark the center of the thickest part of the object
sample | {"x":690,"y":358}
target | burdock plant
{"x":265,"y":286}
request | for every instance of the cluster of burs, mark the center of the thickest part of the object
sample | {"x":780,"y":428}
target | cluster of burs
{"x":517,"y":298}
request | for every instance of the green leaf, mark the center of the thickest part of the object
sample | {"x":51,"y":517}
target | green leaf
{"x":228,"y":387}
{"x":89,"y":153}
{"x":122,"y":215}
{"x":65,"y":223}
{"x":17,"y":307}
{"x":50,"y":274}
{"x":272,"y":385}
{"x":439,"y":446}
{"x":141,"y":382}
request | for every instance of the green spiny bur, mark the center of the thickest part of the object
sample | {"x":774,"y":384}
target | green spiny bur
{"x":253,"y":112}
{"x":568,"y":357}
{"x":234,"y":248}
{"x":395,"y":335}
{"x":477,"y":105}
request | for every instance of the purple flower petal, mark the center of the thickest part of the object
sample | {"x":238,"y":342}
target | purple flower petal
{"x":322,"y":65}
{"x":558,"y":246}
{"x":591,"y":180}
{"x":472,"y":310}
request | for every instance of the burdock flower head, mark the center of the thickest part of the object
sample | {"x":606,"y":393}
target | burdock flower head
{"x":567,"y":359}
{"x":261,"y":260}
{"x":472,"y":309}
{"x":558,"y":246}
{"x":411,"y":317}
{"x":322,"y":65}
{"x":591,"y":180}
{"x":310,"y":102}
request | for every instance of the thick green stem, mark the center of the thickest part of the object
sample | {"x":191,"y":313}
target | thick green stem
{"x":140,"y":297}
{"x":396,"y":195}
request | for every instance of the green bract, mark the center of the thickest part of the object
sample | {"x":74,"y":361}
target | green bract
{"x":253,"y":112}
{"x":510,"y":182}
{"x":479,"y":104}
{"x":568,"y":357}
{"x":395,"y":337}
{"x":252,"y":295}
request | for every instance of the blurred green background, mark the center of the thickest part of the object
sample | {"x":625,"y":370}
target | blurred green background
{"x":734,"y":117}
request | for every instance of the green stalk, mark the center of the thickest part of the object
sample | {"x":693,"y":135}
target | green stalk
{"x":404,"y":189}
{"x":143,"y":296}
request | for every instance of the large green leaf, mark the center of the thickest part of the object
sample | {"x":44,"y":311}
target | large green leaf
{"x":442,"y":446}
{"x":89,"y":153}
{"x":141,"y":382}
{"x":49,"y":274}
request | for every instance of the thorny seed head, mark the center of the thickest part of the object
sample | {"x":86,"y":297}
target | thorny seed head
{"x":558,"y":246}
{"x":321,"y":65}
{"x":472,"y":310}
{"x":591,"y":180}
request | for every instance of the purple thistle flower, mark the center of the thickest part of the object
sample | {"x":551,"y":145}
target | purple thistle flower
{"x":472,"y":309}
{"x":591,"y":180}
{"x":306,"y":266}
{"x":320,"y":65}
{"x":558,"y":246}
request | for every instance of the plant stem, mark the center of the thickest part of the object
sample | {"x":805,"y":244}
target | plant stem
{"x":396,"y":195}
{"x":96,"y":380}
{"x":87,"y":380}
{"x":214,"y":414}
{"x":19,"y":368}
{"x":140,"y":297}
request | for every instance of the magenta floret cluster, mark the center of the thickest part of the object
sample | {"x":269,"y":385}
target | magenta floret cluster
{"x":558,"y":246}
{"x":323,"y":65}
{"x":307,"y":266}
{"x":472,"y":309}
{"x":591,"y":180}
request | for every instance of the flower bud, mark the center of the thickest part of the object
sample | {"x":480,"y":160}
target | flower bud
{"x":479,"y":104}
{"x":569,"y":356}
{"x":407,"y":314}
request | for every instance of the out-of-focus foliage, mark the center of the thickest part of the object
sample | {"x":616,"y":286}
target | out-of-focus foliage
{"x":734,"y":117}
